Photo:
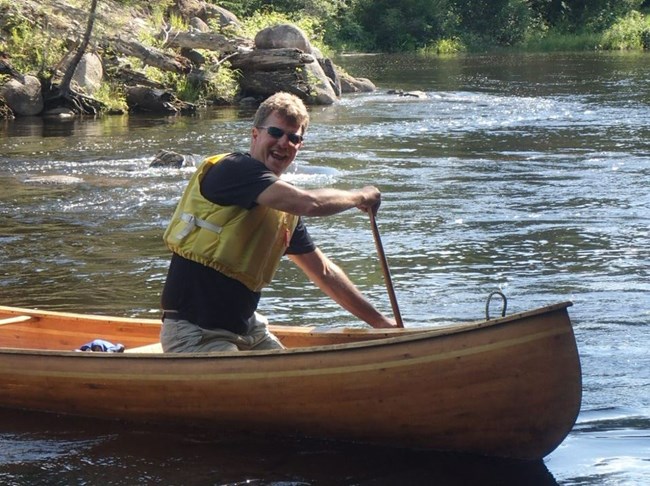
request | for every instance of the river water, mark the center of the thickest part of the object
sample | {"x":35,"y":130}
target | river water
{"x":524,"y":173}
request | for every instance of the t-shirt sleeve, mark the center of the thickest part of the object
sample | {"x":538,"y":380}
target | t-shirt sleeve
{"x":301,"y":241}
{"x":236,"y":180}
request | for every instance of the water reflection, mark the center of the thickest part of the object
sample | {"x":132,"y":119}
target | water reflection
{"x":34,"y":446}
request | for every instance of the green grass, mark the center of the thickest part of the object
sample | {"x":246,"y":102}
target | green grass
{"x":556,"y":42}
{"x":444,"y":47}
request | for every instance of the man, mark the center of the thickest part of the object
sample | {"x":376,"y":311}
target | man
{"x":235,"y":221}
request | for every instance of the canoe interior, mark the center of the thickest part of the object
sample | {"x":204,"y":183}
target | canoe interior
{"x":30,"y":329}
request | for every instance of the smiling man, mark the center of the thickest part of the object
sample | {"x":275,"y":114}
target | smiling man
{"x":233,"y":224}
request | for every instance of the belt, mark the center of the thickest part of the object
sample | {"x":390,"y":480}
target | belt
{"x":172,"y":314}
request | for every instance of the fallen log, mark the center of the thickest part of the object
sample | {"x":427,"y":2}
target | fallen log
{"x":270,"y":59}
{"x":211,"y":41}
{"x":152,"y":56}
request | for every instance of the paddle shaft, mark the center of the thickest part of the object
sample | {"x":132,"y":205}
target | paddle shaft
{"x":385,"y":270}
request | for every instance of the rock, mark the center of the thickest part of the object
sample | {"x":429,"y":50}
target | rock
{"x":226,"y":17}
{"x":300,"y":76}
{"x":350,"y":84}
{"x":60,"y":112}
{"x":284,"y":35}
{"x":330,"y":71}
{"x":408,"y":94}
{"x":24,"y":98}
{"x":205,"y":11}
{"x":169,"y":159}
{"x":149,"y":100}
{"x":199,"y":25}
{"x":89,"y":73}
{"x":196,"y":57}
{"x":249,"y":101}
{"x":322,"y":90}
{"x":305,"y":73}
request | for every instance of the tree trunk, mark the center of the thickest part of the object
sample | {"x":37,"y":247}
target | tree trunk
{"x":151,"y":56}
{"x":64,"y":86}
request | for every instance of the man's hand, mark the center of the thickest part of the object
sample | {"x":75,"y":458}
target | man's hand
{"x":371,"y":199}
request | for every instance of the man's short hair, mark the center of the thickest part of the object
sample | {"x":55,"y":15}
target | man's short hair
{"x":287,"y":105}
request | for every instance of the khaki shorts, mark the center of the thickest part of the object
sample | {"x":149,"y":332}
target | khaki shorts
{"x":181,"y":336}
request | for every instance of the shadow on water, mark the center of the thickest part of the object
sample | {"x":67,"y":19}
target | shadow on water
{"x":41,"y":449}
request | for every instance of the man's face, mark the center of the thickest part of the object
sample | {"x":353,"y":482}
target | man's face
{"x":276,"y":153}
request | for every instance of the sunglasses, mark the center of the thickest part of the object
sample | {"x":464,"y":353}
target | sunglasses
{"x":278,"y":133}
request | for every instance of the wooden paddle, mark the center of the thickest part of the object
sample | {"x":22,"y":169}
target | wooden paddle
{"x":385,"y":269}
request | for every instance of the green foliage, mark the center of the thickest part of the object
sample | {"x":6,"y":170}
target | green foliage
{"x":219,"y":85}
{"x":444,"y":47}
{"x":322,"y":9}
{"x":572,"y":16}
{"x":405,"y":25}
{"x":222,"y":86}
{"x":112,"y":97}
{"x":629,"y":32}
{"x":33,"y":49}
{"x":479,"y":24}
{"x":495,"y":22}
{"x":159,"y":12}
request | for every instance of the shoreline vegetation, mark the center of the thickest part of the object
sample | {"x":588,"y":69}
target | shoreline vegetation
{"x":44,"y":38}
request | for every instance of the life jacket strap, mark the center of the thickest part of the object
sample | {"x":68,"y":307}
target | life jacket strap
{"x":192,"y":222}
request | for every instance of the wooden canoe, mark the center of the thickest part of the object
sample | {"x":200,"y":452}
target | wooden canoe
{"x":507,"y":387}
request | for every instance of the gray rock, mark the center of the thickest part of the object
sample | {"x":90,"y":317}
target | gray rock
{"x":24,"y":98}
{"x":166,"y":158}
{"x":284,"y":35}
{"x":89,"y":73}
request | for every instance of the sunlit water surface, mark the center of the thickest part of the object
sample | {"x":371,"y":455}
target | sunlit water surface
{"x":528,"y":174}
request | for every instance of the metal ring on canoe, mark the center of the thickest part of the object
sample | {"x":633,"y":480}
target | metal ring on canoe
{"x":487,"y":304}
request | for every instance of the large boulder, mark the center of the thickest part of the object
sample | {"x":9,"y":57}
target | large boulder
{"x":89,"y":73}
{"x":23,"y":97}
{"x":305,"y":77}
{"x":284,"y":35}
{"x":350,"y":84}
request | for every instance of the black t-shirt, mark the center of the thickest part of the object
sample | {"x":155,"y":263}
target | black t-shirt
{"x":203,"y":295}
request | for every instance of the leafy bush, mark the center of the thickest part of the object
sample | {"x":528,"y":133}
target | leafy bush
{"x":444,"y":46}
{"x":629,"y":32}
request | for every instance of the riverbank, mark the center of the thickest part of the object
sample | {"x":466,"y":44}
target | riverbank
{"x":183,"y":54}
{"x":167,"y":59}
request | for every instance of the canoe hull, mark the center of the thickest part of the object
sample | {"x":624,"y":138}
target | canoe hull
{"x":508,"y":388}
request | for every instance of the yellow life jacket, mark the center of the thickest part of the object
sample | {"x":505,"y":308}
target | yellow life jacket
{"x":244,"y":244}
